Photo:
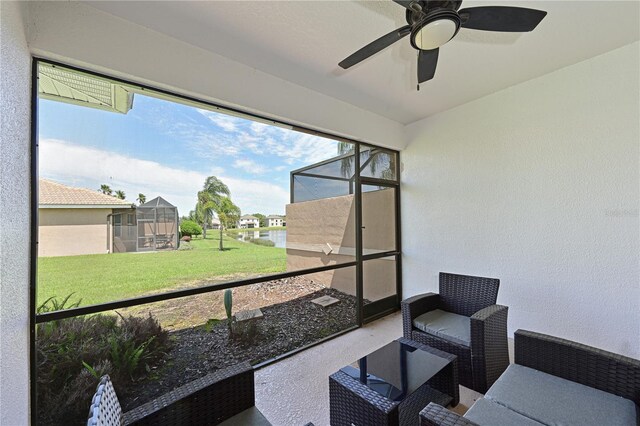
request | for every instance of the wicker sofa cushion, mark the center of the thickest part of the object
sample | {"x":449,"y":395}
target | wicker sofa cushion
{"x":250,"y":417}
{"x":445,"y":325}
{"x":484,"y":412}
{"x":555,"y":401}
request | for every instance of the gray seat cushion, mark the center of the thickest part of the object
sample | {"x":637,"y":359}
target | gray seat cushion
{"x":445,"y":325}
{"x":555,"y":401}
{"x":250,"y":417}
{"x":487,"y":413}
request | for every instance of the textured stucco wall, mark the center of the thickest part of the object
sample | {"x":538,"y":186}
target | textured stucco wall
{"x":70,"y":232}
{"x":537,"y":185}
{"x":15,"y":82}
{"x":311,"y":225}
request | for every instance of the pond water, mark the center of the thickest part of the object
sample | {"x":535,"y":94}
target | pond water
{"x":279,"y":237}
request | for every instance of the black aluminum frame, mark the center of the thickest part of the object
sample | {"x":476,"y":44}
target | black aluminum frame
{"x":379,"y":308}
{"x":36,"y":318}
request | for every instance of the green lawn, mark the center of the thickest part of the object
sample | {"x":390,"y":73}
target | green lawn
{"x":101,"y":278}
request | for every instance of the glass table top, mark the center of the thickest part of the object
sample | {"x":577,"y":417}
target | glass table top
{"x":396,"y":369}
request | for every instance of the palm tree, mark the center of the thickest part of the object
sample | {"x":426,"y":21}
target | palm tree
{"x":120,"y":194}
{"x":377,"y":157}
{"x":141,"y":198}
{"x":213,"y":191}
{"x":106,"y":189}
{"x":228,"y":214}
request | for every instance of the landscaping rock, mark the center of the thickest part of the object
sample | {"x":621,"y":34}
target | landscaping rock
{"x":284,"y":327}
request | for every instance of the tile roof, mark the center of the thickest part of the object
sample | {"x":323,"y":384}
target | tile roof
{"x":54,"y":193}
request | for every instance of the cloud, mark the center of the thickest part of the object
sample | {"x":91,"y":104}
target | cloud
{"x":241,"y":137}
{"x":226,"y":122}
{"x":250,"y":166}
{"x":88,"y":167}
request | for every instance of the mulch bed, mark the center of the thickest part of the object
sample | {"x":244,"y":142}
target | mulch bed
{"x":286,"y":326}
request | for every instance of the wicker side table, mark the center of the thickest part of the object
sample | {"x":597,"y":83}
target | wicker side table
{"x":391,"y":385}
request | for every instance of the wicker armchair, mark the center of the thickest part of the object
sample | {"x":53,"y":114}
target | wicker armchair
{"x":484,"y":356}
{"x":209,"y":400}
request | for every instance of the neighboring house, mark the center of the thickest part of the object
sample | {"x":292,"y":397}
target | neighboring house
{"x":215,"y":223}
{"x":248,"y":221}
{"x":74,"y":220}
{"x":274,"y":220}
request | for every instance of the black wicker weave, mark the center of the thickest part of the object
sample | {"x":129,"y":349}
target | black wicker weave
{"x":436,"y":415}
{"x":481,"y":363}
{"x":207,"y":401}
{"x":593,"y":367}
{"x":351,"y":402}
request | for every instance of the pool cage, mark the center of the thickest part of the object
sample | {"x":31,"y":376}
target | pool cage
{"x":150,"y":226}
{"x":335,"y":177}
{"x":157,"y":225}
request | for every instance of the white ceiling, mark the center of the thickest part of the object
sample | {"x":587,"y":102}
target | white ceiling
{"x":303,"y":41}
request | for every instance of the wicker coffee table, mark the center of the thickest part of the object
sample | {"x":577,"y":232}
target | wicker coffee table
{"x":392,"y":384}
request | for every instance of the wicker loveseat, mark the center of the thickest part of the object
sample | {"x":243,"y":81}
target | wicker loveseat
{"x":224,"y":397}
{"x":464,"y":320}
{"x":554,"y":381}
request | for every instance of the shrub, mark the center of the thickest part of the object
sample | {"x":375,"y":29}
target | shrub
{"x":190,"y":228}
{"x":263,"y":242}
{"x":73,"y":353}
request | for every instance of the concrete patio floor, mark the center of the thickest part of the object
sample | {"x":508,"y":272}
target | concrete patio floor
{"x":295,"y":391}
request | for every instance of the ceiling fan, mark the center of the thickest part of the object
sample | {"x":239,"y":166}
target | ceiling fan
{"x":432,"y":23}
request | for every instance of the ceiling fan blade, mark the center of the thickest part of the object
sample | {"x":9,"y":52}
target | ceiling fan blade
{"x":375,"y":46}
{"x":501,"y":18}
{"x":427,"y":61}
{"x":404,"y":3}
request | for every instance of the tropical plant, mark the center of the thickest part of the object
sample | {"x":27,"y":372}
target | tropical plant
{"x":372,"y":160}
{"x":141,"y":198}
{"x":228,"y":214}
{"x":106,"y":189}
{"x":213,"y":191}
{"x":73,"y":353}
{"x":190,"y":228}
{"x":228,"y":305}
{"x":346,"y":165}
{"x":120,"y":194}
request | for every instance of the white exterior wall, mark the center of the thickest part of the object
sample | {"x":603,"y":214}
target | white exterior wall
{"x":274,"y":222}
{"x":537,"y":185}
{"x":15,"y":104}
{"x":244,"y":223}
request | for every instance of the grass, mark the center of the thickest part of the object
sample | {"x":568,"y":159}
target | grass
{"x":100,"y":278}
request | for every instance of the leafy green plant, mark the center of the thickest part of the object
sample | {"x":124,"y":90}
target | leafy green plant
{"x":190,"y":228}
{"x":53,"y":304}
{"x":73,"y":353}
{"x":126,"y":355}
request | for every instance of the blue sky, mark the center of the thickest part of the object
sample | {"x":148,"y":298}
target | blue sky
{"x":168,"y":149}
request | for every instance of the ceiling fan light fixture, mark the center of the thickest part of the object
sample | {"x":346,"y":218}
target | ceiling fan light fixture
{"x":436,"y":29}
